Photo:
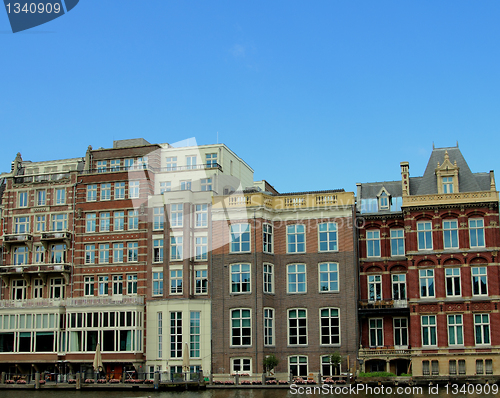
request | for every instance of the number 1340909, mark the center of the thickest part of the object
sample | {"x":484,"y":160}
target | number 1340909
{"x":33,"y":8}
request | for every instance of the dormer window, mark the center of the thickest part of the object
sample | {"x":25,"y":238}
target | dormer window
{"x":447,"y":175}
{"x":447,"y":184}
{"x":384,"y":200}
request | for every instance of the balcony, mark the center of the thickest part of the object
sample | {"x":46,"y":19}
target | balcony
{"x":118,"y":169}
{"x":105,"y":300}
{"x":16,"y":239}
{"x":387,"y":307}
{"x":456,"y":198}
{"x":31,"y":303}
{"x":54,"y":236}
{"x":377,"y":352}
{"x":41,"y":178}
{"x":215,"y":166}
{"x":35,"y":269}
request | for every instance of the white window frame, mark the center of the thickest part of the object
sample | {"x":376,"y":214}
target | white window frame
{"x":92,"y":193}
{"x":195,"y":334}
{"x":133,"y":220}
{"x":328,"y":276}
{"x":267,"y":238}
{"x":201,"y":248}
{"x":165,"y":186}
{"x":90,"y":222}
{"x":328,"y":235}
{"x":269,"y":327}
{"x":40,"y":223}
{"x":482,"y":329}
{"x":176,"y":326}
{"x":240,"y":238}
{"x":119,"y":190}
{"x":105,"y":221}
{"x":296,"y":238}
{"x":191,"y":162}
{"x":238,"y":273}
{"x":455,"y":329}
{"x":244,"y":365}
{"x":90,"y":254}
{"x":158,"y":218}
{"x":134,"y":189}
{"x":176,"y":215}
{"x":294,"y":339}
{"x":201,"y":216}
{"x":268,"y":278}
{"x":374,"y":287}
{"x":206,"y":184}
{"x":119,"y":221}
{"x":474,"y":231}
{"x":176,"y":282}
{"x":59,"y":222}
{"x":400,"y":330}
{"x":132,"y":284}
{"x":478,"y":274}
{"x":104,"y":253}
{"x":185,"y":185}
{"x":397,"y":237}
{"x":425,"y":276}
{"x":118,"y":252}
{"x":158,"y":250}
{"x":398,"y":280}
{"x":176,"y":249}
{"x":327,"y":326}
{"x":132,"y":252}
{"x":241,"y":327}
{"x":450,"y":231}
{"x":201,"y":281}
{"x":293,"y":279}
{"x":373,"y":243}
{"x":451,"y":275}
{"x":41,"y":197}
{"x":88,"y":286}
{"x":117,"y":285}
{"x":105,"y":191}
{"x":157,"y":283}
{"x":103,"y":285}
{"x":424,"y":235}
{"x":22,"y":225}
{"x":22,"y":199}
{"x":378,"y":328}
{"x":171,"y":163}
{"x":291,"y":364}
{"x":427,"y":325}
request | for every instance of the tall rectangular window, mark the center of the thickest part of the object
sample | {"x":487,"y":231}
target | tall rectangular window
{"x":133,"y":189}
{"x":424,"y":235}
{"x":176,"y":334}
{"x":297,"y":365}
{"x":373,"y":243}
{"x":452,"y":367}
{"x":104,"y":253}
{"x":296,"y":238}
{"x":21,"y":225}
{"x":185,"y":185}
{"x":240,"y":238}
{"x":89,"y":286}
{"x":435,"y":367}
{"x":118,"y":252}
{"x":479,"y":281}
{"x":157,"y":283}
{"x":176,"y":281}
{"x":165,"y":186}
{"x":426,"y":368}
{"x":296,"y":275}
{"x":176,"y":215}
{"x":105,"y":219}
{"x":60,"y":196}
{"x":175,"y":248}
{"x":240,"y":278}
{"x":399,"y":287}
{"x":119,"y":219}
{"x":461,"y":367}
{"x":57,"y":254}
{"x":329,"y":326}
{"x":132,"y":252}
{"x":397,"y":242}
{"x":268,"y":278}
{"x":206,"y":184}
{"x":201,"y":215}
{"x":119,"y":190}
{"x":40,"y":223}
{"x":241,"y":327}
{"x":374,"y":287}
{"x":91,"y":193}
{"x":267,"y":230}
{"x":133,"y":219}
{"x":329,"y":277}
{"x":211,"y":159}
{"x":452,"y":282}
{"x":90,"y":222}
{"x":106,"y":191}
{"x":429,"y":333}
{"x":89,"y":254}
{"x":297,"y":326}
{"x":117,"y":285}
{"x":482,"y":329}
{"x":447,"y":184}
{"x":158,"y":250}
{"x":158,"y":218}
{"x":41,"y":198}
{"x":201,"y":281}
{"x":56,"y":288}
{"x":476,"y":232}
{"x":160,"y":334}
{"x":426,"y":283}
{"x":201,"y":248}
{"x":455,"y":330}
{"x":22,"y":199}
{"x":194,"y":334}
{"x":59,"y":222}
{"x":327,"y":237}
{"x":400,"y":332}
{"x":132,"y":284}
{"x":376,"y":332}
{"x":190,"y":162}
{"x":39,"y":254}
{"x":20,"y":255}
{"x":450,"y":234}
{"x":18,"y":290}
{"x":171,"y":163}
{"x":129,"y":164}
{"x":268,"y":326}
{"x":103,"y":285}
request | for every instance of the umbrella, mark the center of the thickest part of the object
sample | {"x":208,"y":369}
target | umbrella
{"x":98,"y":359}
{"x":185,"y":358}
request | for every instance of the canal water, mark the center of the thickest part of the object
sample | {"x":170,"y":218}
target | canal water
{"x":441,"y":392}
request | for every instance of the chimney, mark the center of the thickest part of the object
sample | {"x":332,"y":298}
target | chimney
{"x":492,"y":181}
{"x":405,"y":178}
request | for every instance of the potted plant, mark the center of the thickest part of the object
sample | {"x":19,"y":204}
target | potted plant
{"x":270,"y":362}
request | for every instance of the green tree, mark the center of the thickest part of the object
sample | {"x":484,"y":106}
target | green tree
{"x":335,"y":360}
{"x":270,"y":362}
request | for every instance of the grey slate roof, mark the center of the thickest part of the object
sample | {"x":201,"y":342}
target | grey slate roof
{"x":370,"y":190}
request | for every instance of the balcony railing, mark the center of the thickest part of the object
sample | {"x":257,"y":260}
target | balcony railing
{"x":193,"y":167}
{"x":17,"y":238}
{"x":41,"y":178}
{"x":31,"y":303}
{"x":460,"y":197}
{"x":34,"y":268}
{"x":381,"y":351}
{"x":107,"y":300}
{"x":116,"y":169}
{"x":379,"y":304}
{"x":56,"y":235}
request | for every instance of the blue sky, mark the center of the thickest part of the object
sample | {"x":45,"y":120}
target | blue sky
{"x":312,"y":95}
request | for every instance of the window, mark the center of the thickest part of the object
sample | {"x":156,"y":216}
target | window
{"x":383,"y":201}
{"x":23,"y":199}
{"x":397,"y":242}
{"x":89,"y":286}
{"x":157,"y":283}
{"x":240,"y":278}
{"x":18,"y":289}
{"x":194,"y":334}
{"x":435,"y":368}
{"x":175,"y":248}
{"x":132,"y":284}
{"x":133,"y":219}
{"x":461,"y":366}
{"x":374,"y":288}
{"x":241,"y":329}
{"x":429,"y":334}
{"x":58,"y":254}
{"x":482,"y":329}
{"x":59,"y":222}
{"x":56,"y":288}
{"x":327,"y":368}
{"x":206,"y":184}
{"x":158,"y":218}
{"x":329,"y":277}
{"x":399,"y":287}
{"x":158,"y":250}
{"x":104,"y":253}
{"x":267,"y":230}
{"x":186,"y":185}
{"x":91,"y":221}
{"x":119,"y":190}
{"x":176,"y":334}
{"x":176,"y":281}
{"x":328,"y":237}
{"x":21,"y":225}
{"x":101,"y":166}
{"x":142,"y":162}
{"x":400,"y":332}
{"x":190,"y":162}
{"x":268,"y":326}
{"x":91,"y":193}
{"x":105,"y":191}
{"x":171,"y":163}
{"x":89,"y":254}
{"x":296,"y":278}
{"x":105,"y":222}
{"x":201,"y":215}
{"x":241,"y":365}
{"x":297,"y":326}
{"x":40,"y":223}
{"x":296,"y":238}
{"x":376,"y":332}
{"x":479,"y":366}
{"x":176,"y":215}
{"x":424,"y":235}
{"x":298,"y":365}
{"x":211,"y":159}
{"x":41,"y":198}
{"x":452,"y":281}
{"x":329,"y":326}
{"x":268,"y":278}
{"x":450,"y":234}
{"x":103,"y":285}
{"x":479,"y":281}
{"x":447,"y":184}
{"x":453,"y":367}
{"x":240,"y":238}
{"x":476,"y":232}
{"x":201,"y":281}
{"x":39,"y":254}
{"x":114,"y":165}
{"x":426,"y":283}
{"x":373,"y":243}
{"x":165,"y":186}
{"x":132,"y":252}
{"x":118,"y":252}
{"x":37,"y":289}
{"x":129,"y":164}
{"x":117,"y":285}
{"x":20,"y":255}
{"x":60,"y":196}
{"x":425,"y":368}
{"x":488,"y":363}
{"x":133,"y":189}
{"x":455,"y":330}
{"x":201,"y":248}
{"x":119,"y":217}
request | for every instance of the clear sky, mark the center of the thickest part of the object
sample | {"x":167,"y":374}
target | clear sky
{"x":313,"y":95}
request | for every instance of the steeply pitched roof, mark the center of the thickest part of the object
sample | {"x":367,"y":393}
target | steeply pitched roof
{"x":370,"y":190}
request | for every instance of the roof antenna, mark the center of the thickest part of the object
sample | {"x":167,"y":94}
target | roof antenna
{"x":457,"y":143}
